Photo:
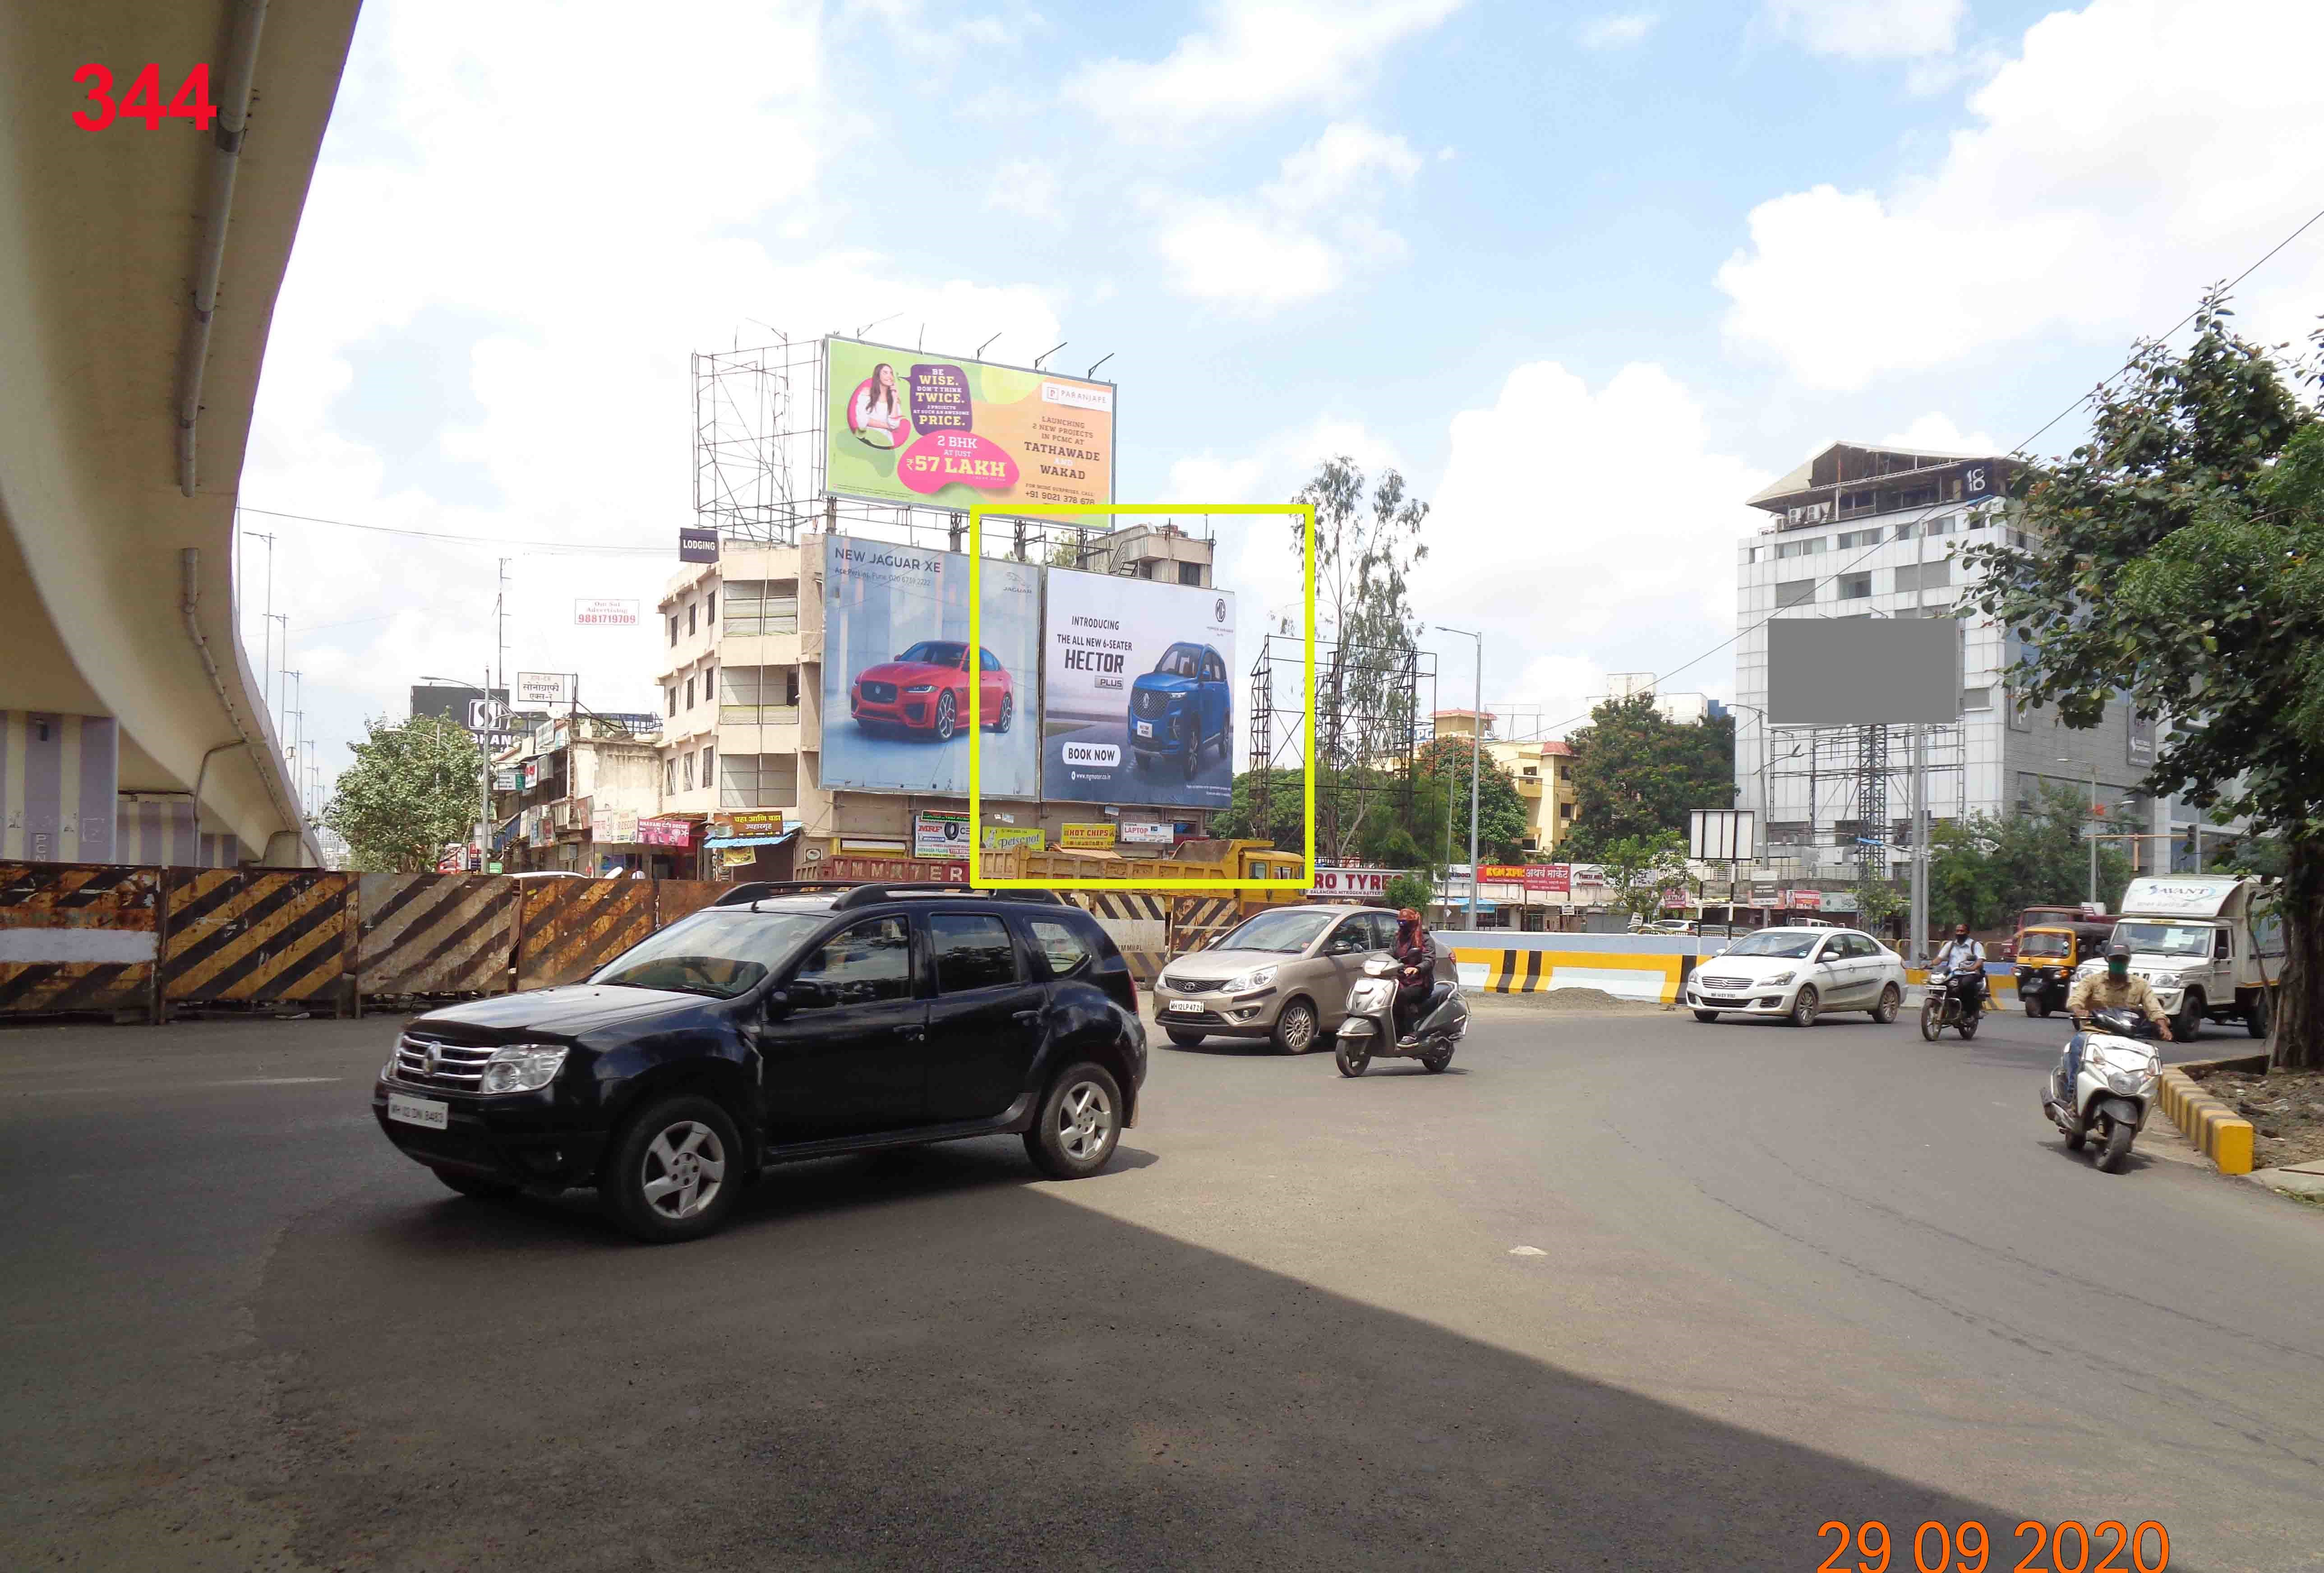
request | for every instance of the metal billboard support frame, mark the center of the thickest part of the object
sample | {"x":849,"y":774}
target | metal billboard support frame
{"x":976,"y":876}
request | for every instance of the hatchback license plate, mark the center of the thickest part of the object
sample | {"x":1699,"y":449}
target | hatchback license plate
{"x":1190,"y":1006}
{"x":419,"y":1111}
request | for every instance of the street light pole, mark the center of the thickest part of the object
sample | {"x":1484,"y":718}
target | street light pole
{"x":485,"y":767}
{"x":2090,"y":833}
{"x":1476,"y":763}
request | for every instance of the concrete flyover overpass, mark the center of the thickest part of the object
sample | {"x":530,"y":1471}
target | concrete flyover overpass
{"x":139,"y":268}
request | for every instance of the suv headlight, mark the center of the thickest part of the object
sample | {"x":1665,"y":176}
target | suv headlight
{"x":521,"y":1068}
{"x":1257,"y":977}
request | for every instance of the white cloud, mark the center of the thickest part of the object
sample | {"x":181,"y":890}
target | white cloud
{"x":595,"y":277}
{"x":1868,"y":30}
{"x":1343,"y":161}
{"x":2102,"y":185}
{"x":1936,"y":433}
{"x":1254,"y":57}
{"x":1025,"y":187}
{"x":1619,"y":30}
{"x":1295,"y":237}
{"x":1546,"y":536}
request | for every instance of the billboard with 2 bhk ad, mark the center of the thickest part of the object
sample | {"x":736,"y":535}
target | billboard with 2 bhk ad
{"x":896,"y":670}
{"x":1140,"y":683}
{"x":942,"y":431}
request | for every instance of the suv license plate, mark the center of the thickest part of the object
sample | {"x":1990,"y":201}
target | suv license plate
{"x":1190,"y":1006}
{"x":419,"y":1111}
{"x":1145,"y":729}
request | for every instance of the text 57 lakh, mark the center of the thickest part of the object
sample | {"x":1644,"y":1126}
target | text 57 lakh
{"x":2071,"y":1547}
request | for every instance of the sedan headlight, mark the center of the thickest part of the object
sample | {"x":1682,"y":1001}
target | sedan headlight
{"x":521,"y":1068}
{"x":1783,"y":977}
{"x":1257,"y":977}
{"x":920,"y":688}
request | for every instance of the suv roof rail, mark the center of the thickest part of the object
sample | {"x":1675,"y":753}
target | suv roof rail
{"x":764,"y":889}
{"x":868,"y":895}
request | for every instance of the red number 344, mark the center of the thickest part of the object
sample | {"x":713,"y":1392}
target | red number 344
{"x":145,"y":100}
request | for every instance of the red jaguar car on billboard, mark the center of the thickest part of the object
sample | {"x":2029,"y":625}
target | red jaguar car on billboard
{"x":926,"y":690}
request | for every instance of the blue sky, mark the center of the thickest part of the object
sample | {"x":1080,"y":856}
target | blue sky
{"x":1589,"y":275}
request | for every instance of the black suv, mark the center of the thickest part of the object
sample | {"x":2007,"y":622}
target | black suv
{"x":784,"y":1022}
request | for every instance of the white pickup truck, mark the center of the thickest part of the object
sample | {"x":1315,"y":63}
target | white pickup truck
{"x":2211,"y":944}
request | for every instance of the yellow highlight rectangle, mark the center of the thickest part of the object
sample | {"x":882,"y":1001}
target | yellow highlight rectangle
{"x":976,"y":877}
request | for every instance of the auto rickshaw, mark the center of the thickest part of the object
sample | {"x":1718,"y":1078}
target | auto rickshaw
{"x":2047,"y":955}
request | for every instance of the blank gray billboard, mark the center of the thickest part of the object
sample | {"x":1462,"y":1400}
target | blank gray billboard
{"x":1863,"y":671}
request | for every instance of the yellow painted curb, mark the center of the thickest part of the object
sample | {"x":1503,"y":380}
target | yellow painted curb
{"x":2222,"y":1136}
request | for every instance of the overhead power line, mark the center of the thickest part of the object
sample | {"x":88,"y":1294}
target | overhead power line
{"x":2019,"y":447}
{"x":562,"y":549}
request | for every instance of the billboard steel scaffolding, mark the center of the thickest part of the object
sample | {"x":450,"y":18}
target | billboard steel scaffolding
{"x":1370,"y":702}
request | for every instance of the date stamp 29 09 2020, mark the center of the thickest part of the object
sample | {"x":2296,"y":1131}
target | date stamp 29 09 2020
{"x":1968,"y":1547}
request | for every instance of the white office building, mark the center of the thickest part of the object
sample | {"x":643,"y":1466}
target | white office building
{"x":1867,"y":530}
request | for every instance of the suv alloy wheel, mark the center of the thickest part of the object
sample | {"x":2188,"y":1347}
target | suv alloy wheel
{"x":1079,"y":1123}
{"x":676,"y":1170}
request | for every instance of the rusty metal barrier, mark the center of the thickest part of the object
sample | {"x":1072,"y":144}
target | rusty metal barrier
{"x":1197,"y":921}
{"x":568,"y":928}
{"x":258,"y":936}
{"x":78,"y":936}
{"x":675,"y":898}
{"x":436,"y":934}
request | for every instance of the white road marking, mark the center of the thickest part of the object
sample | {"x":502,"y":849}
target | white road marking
{"x":1528,"y":1251}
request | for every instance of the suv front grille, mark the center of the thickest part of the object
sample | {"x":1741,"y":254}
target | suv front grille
{"x":879,"y":692}
{"x":1146,"y":702}
{"x":456,"y":1065}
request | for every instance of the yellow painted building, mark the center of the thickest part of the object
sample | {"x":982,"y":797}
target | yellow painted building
{"x":1543,"y":769}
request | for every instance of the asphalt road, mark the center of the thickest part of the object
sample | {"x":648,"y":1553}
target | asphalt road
{"x":1783,"y":1278}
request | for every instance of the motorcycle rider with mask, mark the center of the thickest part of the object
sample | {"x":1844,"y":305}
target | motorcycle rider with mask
{"x":2112,"y":990}
{"x":1965,"y":954}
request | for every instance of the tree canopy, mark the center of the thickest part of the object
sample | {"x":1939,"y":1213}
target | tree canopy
{"x":1984,"y":870}
{"x":1640,"y":867}
{"x":2177,"y":558}
{"x":1637,"y":773}
{"x":413,"y":787}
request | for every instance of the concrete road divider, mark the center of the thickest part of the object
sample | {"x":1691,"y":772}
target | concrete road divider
{"x":2222,"y":1136}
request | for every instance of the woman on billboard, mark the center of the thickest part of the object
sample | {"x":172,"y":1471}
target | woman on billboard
{"x":876,"y":412}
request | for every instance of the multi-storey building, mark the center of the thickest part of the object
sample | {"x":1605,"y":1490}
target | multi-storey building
{"x":1867,"y":530}
{"x":1541,"y":768}
{"x":741,"y":695}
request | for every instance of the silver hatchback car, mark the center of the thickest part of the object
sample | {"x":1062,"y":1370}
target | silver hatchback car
{"x":1281,"y":974}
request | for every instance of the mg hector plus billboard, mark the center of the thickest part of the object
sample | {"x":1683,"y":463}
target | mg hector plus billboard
{"x":903,"y":427}
{"x":896,"y":670}
{"x":1139,"y":685}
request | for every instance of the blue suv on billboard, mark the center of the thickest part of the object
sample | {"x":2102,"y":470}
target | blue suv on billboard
{"x":1181,"y":707}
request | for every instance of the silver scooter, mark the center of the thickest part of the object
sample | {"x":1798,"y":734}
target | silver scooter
{"x":1368,"y":1032}
{"x":2113,"y":1092}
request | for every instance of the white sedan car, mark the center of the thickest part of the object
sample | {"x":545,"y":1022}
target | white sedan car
{"x":1799,"y":974}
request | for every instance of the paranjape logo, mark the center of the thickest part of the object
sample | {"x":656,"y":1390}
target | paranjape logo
{"x":897,"y":667}
{"x":1138,"y":678}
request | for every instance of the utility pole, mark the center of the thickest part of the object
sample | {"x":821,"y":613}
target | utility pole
{"x":2091,"y":832}
{"x":266,"y":616}
{"x":1917,"y":940}
{"x":499,"y":621}
{"x":1476,"y":761}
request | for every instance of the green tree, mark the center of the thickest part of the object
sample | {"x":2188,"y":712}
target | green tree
{"x":1636,"y":773}
{"x":1640,"y":867}
{"x":1983,"y":871}
{"x":1414,"y":888}
{"x":1441,"y":770}
{"x":2177,"y":558}
{"x":1877,"y":901}
{"x":413,"y":787}
{"x":1365,"y":550}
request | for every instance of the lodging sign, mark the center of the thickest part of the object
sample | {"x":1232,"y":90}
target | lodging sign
{"x":945,"y":432}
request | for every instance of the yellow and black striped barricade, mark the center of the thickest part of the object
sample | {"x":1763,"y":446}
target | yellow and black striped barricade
{"x":675,"y":898}
{"x":1196,"y":921}
{"x":1137,"y":922}
{"x":436,"y":934}
{"x":258,"y":936}
{"x":568,"y":928}
{"x":78,"y":936}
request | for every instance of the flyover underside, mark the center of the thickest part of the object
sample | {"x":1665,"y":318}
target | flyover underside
{"x":116,"y":599}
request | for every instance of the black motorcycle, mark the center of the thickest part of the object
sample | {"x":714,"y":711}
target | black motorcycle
{"x":1955,"y":999}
